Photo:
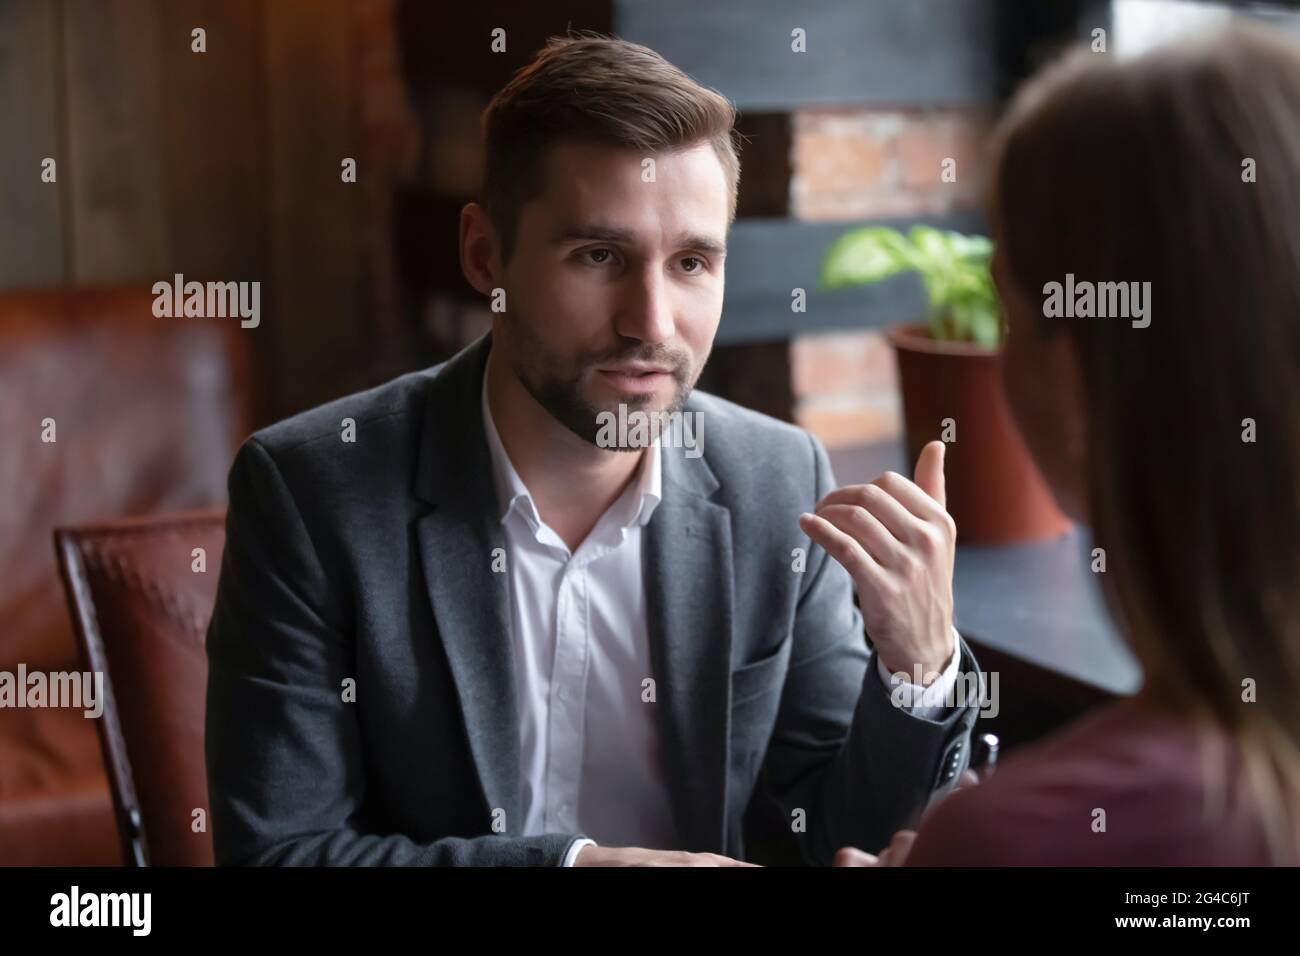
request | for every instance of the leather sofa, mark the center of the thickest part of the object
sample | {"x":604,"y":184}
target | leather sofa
{"x":145,"y":416}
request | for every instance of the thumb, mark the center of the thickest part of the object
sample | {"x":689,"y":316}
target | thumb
{"x":929,"y":472}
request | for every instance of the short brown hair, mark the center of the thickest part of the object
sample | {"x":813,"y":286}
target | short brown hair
{"x":600,"y":89}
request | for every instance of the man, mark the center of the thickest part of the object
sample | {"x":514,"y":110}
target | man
{"x":468,"y":630}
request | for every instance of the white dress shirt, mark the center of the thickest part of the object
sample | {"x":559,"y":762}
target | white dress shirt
{"x":589,"y":747}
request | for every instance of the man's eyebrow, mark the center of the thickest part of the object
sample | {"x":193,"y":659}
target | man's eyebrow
{"x":703,"y":243}
{"x":599,"y":233}
{"x":593,"y":232}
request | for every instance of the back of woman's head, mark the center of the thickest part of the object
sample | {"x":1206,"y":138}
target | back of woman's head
{"x":1182,"y":169}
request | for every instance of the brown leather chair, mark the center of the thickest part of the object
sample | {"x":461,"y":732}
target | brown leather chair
{"x":141,"y":592}
{"x":148,"y":413}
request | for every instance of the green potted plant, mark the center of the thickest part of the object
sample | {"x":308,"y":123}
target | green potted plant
{"x":949,"y":377}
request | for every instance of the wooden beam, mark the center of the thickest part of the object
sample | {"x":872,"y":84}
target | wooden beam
{"x":768,"y":258}
{"x":895,"y":52}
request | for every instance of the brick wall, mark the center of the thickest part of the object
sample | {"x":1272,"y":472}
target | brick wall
{"x":858,"y":164}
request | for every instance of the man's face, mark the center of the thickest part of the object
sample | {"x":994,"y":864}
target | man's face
{"x":614,"y":289}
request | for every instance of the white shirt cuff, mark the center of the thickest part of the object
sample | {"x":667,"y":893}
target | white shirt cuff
{"x":577,"y":846}
{"x":928,"y":703}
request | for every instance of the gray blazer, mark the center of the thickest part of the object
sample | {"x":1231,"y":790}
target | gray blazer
{"x":361,"y":702}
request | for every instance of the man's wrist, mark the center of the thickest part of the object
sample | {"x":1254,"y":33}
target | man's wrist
{"x":908,"y":693}
{"x":925,"y":673}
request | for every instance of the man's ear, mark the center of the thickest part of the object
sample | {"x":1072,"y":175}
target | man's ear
{"x":478,"y":249}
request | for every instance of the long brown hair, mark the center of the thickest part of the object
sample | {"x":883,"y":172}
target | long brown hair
{"x":1182,"y":168}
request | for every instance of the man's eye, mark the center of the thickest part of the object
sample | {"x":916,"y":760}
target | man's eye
{"x":692,"y":264}
{"x":598,"y":256}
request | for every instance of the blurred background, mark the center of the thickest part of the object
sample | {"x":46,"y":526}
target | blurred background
{"x":225,"y":165}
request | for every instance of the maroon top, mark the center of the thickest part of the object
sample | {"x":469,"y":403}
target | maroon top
{"x":1146,"y":769}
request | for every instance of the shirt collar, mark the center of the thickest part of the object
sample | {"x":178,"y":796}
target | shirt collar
{"x":636,"y":504}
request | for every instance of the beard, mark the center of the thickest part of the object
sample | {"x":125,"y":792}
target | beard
{"x":555,"y":379}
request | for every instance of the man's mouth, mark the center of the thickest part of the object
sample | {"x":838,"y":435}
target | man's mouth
{"x":636,"y":379}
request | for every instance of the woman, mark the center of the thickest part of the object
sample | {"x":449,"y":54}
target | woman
{"x":1178,"y":442}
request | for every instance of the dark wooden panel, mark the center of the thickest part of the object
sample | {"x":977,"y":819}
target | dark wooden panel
{"x":31,"y":235}
{"x":312,"y":305}
{"x":767,"y":258}
{"x":444,"y":43}
{"x":117,"y":219}
{"x":896,"y":52}
{"x":765,"y":165}
{"x":756,"y":375}
{"x":213,"y":138}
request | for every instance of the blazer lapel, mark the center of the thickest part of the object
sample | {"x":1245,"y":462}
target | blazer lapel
{"x":688,"y":574}
{"x":470,"y":602}
{"x":687,"y":563}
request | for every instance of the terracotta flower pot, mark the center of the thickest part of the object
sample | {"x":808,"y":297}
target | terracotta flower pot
{"x":995,"y":493}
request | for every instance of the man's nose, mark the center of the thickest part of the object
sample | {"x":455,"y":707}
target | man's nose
{"x":645,"y":309}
